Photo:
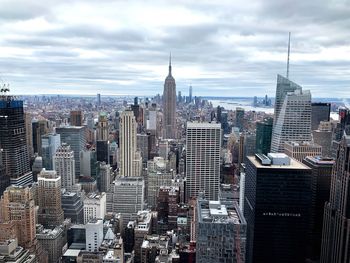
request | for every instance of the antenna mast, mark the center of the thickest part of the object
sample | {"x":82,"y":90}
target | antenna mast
{"x":288,"y":56}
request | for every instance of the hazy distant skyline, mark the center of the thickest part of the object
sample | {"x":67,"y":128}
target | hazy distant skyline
{"x":224,"y":48}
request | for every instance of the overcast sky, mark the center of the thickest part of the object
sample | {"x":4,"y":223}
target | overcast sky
{"x":222,"y":47}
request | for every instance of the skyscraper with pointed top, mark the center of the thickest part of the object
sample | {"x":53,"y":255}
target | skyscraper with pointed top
{"x":169,"y":105}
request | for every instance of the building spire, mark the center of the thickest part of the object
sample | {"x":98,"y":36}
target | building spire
{"x":288,"y":56}
{"x":170,"y":64}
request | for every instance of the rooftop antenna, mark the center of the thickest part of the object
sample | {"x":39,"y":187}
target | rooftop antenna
{"x":288,"y":56}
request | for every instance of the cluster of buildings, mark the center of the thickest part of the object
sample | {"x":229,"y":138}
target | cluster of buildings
{"x":173,"y":179}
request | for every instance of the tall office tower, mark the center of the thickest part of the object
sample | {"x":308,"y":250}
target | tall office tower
{"x":169,"y":105}
{"x":284,"y":86}
{"x":143,"y":145}
{"x":342,"y":126}
{"x":126,"y":196}
{"x":73,"y":207}
{"x":335,"y":234}
{"x":102,"y":131}
{"x":64,"y":165}
{"x":52,"y":240}
{"x":39,"y":128}
{"x":98,"y":100}
{"x":102,"y":151}
{"x":94,"y":235}
{"x":13,"y":141}
{"x":323,"y":137}
{"x":219,"y":113}
{"x":321,"y":185}
{"x":75,"y":137}
{"x":49,"y":145}
{"x":294,"y":120}
{"x":213,"y":220}
{"x":300,"y":150}
{"x":277,"y":208}
{"x":76,"y":118}
{"x":29,"y":133}
{"x":240,"y":118}
{"x":17,"y":206}
{"x":50,"y":213}
{"x":190,"y":94}
{"x":4,"y":179}
{"x":203,"y":146}
{"x":94,"y":207}
{"x":88,"y":163}
{"x":104,"y":177}
{"x":263,"y":136}
{"x":127,"y":142}
{"x":320,"y":111}
{"x":179,"y":97}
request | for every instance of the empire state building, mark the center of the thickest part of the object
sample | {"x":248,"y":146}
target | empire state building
{"x":169,"y":105}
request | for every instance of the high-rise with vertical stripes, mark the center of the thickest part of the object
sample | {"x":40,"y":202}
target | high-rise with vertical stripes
{"x":203,"y":143}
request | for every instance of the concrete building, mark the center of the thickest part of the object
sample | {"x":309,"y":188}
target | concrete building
{"x":335,"y":234}
{"x":64,"y":165}
{"x":94,"y":235}
{"x":300,"y":150}
{"x":52,"y":241}
{"x":88,"y":162}
{"x":76,"y":118}
{"x":50,"y":213}
{"x":73,"y":207}
{"x":94,"y":207}
{"x":323,"y":137}
{"x":169,"y":106}
{"x":320,"y":111}
{"x":321,"y":186}
{"x":203,"y":146}
{"x":104,"y":177}
{"x":152,"y":246}
{"x":127,"y":141}
{"x":11,"y":252}
{"x":17,"y":206}
{"x":221,"y":232}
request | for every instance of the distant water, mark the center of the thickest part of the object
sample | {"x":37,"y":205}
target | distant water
{"x":246,"y":104}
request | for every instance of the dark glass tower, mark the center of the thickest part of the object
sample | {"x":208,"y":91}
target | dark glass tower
{"x":13,"y":141}
{"x":320,"y":186}
{"x":335,"y":234}
{"x":319,"y":112}
{"x":263,"y":136}
{"x":277,"y":208}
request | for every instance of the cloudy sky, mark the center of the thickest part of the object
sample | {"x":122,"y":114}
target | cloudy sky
{"x":222,"y":47}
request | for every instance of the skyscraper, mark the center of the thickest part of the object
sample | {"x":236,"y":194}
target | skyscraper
{"x":277,"y":208}
{"x":335,"y":234}
{"x":321,"y":185}
{"x":50,"y":213}
{"x":190,"y":94}
{"x":64,"y":165}
{"x":203,"y":143}
{"x":49,"y":145}
{"x":294,"y":120}
{"x":127,"y":142}
{"x":284,"y":85}
{"x":17,"y":206}
{"x":263,"y":136}
{"x":221,"y":232}
{"x":76,"y":118}
{"x":240,"y":118}
{"x":320,"y":111}
{"x":169,"y":105}
{"x":75,"y":137}
{"x":13,"y":142}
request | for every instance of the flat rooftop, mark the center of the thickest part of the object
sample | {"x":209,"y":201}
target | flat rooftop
{"x":294,"y":164}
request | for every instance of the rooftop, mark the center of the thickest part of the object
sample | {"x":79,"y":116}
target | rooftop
{"x":294,"y":164}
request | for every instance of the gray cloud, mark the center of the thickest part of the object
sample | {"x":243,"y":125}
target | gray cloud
{"x":122,"y":47}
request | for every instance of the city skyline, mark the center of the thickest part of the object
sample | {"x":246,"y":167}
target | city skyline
{"x":121,"y":48}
